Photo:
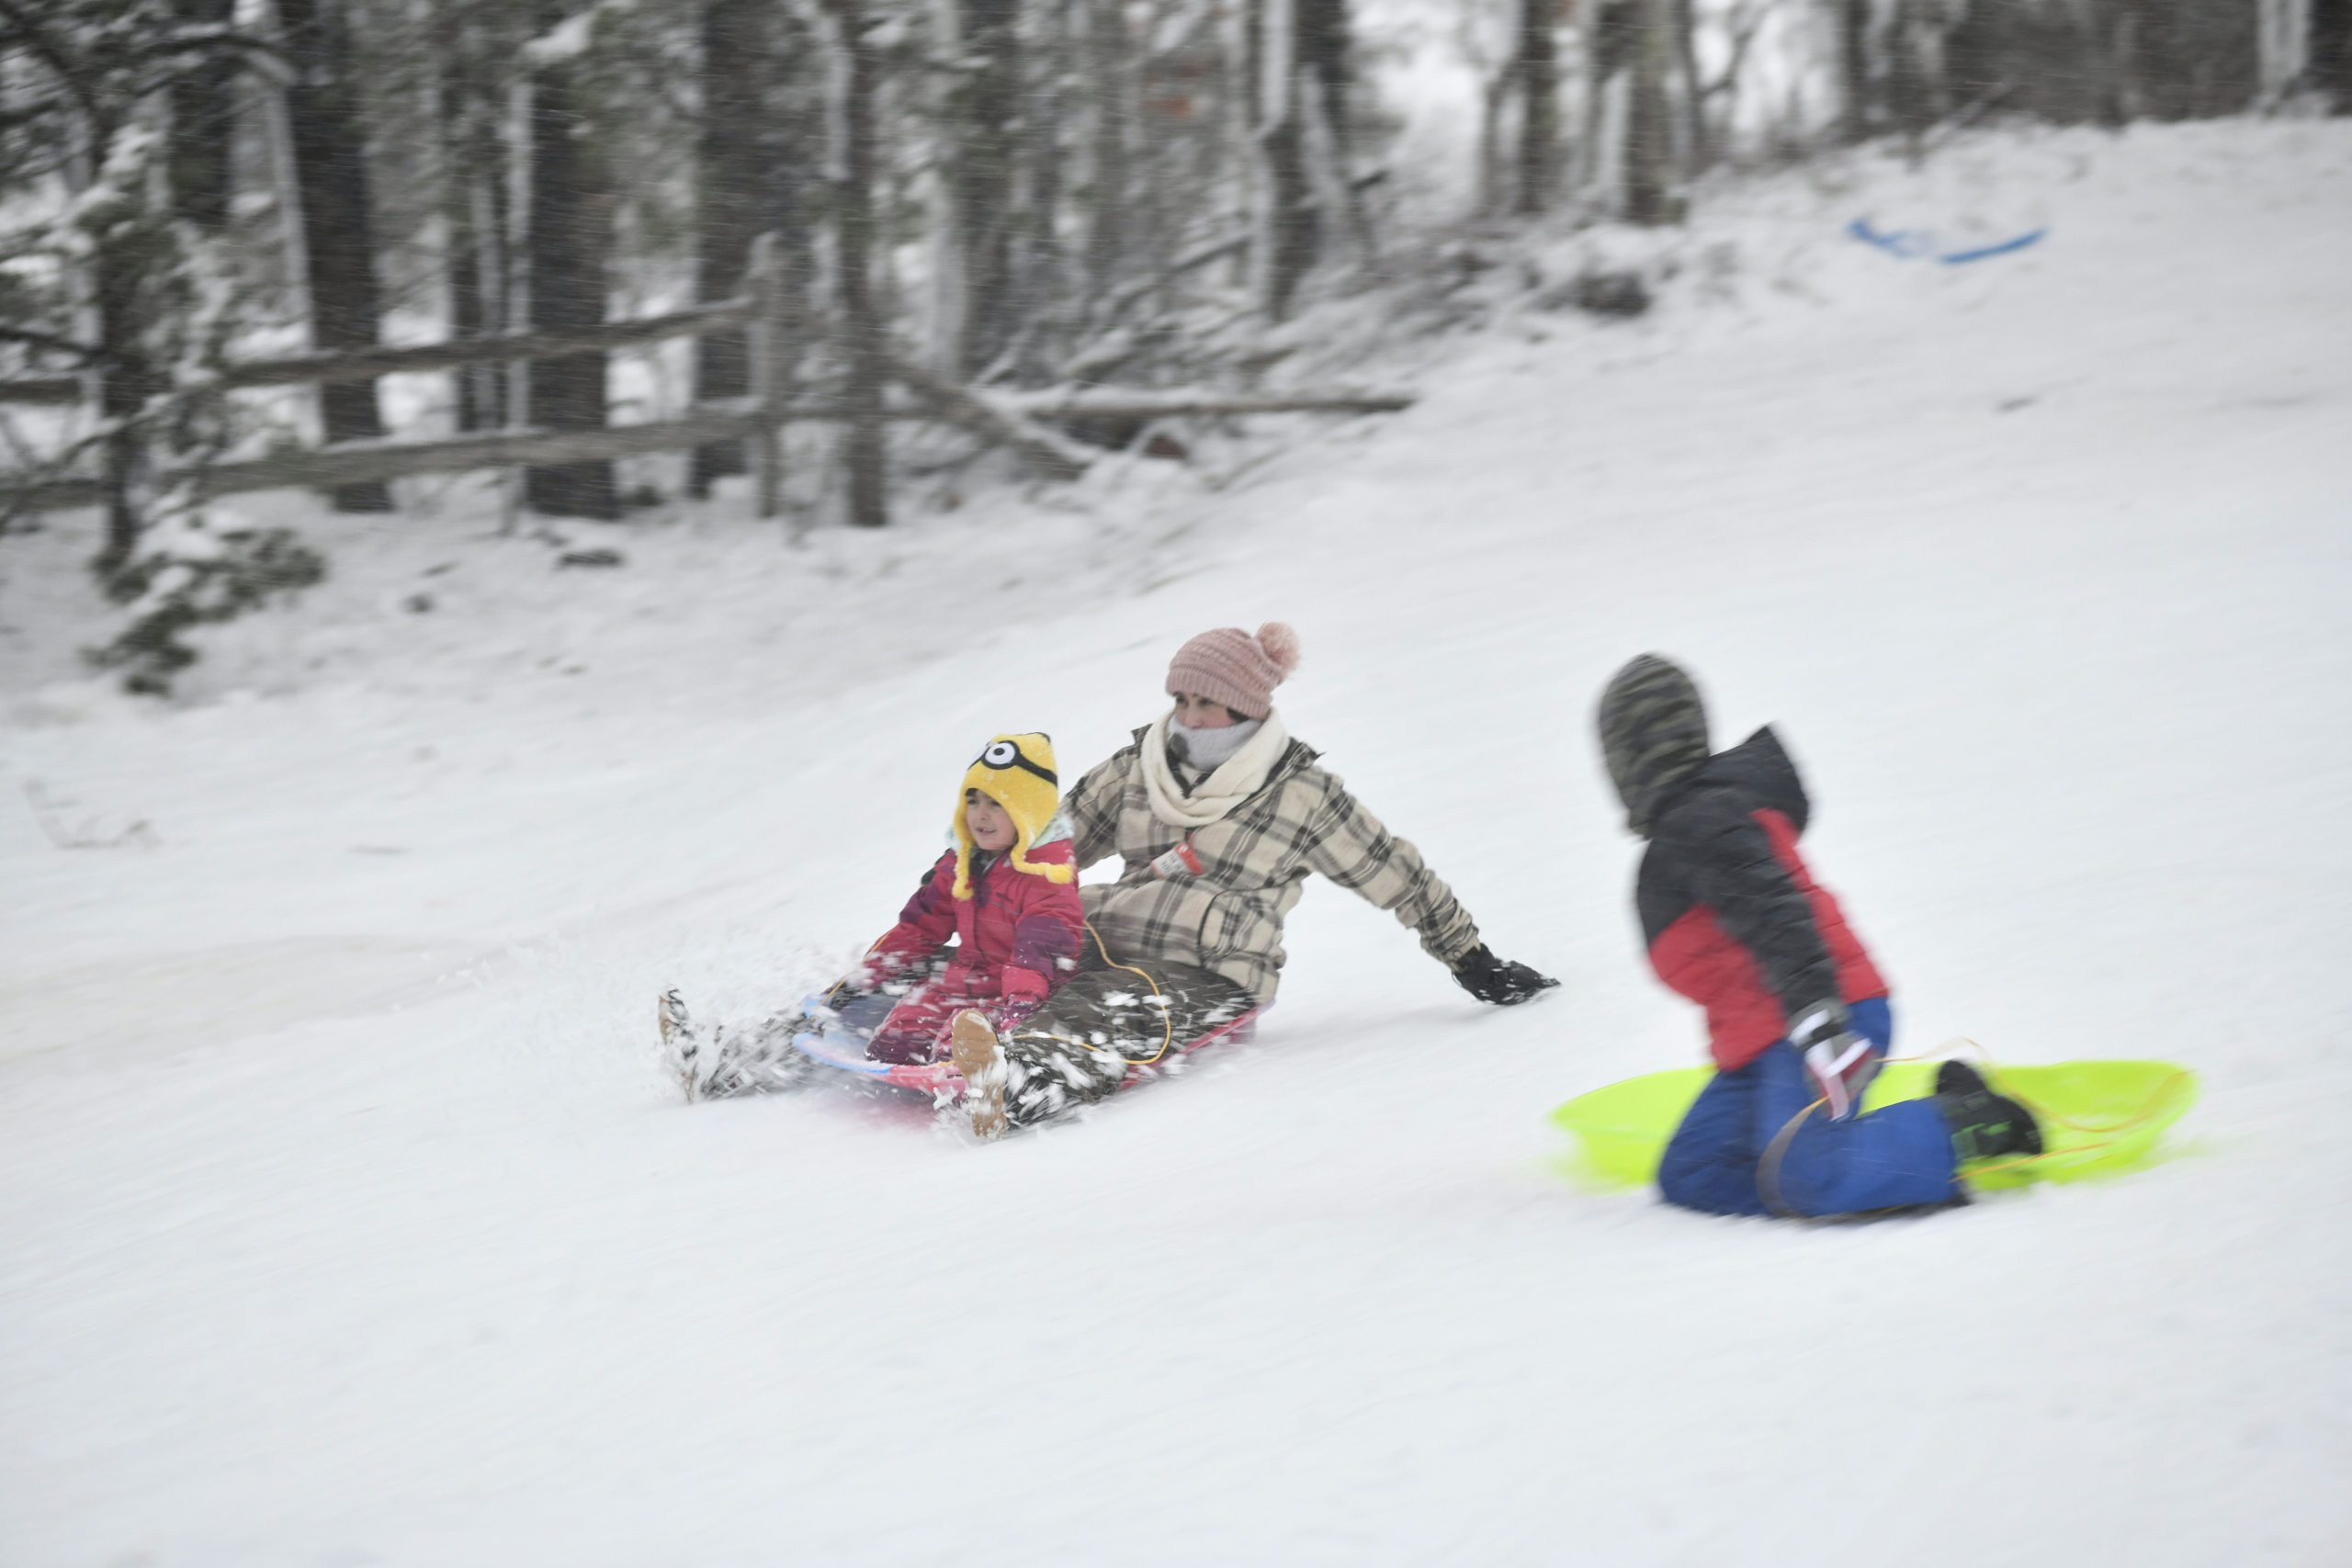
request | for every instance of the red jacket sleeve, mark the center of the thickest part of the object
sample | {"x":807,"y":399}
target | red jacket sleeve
{"x":924,"y":925}
{"x":1048,"y":928}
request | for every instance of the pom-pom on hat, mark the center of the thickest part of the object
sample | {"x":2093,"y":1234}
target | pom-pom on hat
{"x":1017,"y":772}
{"x":1230,"y":666}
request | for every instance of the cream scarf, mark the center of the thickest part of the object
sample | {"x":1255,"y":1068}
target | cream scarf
{"x":1240,"y":777}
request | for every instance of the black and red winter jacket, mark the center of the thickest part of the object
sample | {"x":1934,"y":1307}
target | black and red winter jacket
{"x":1733,"y":918}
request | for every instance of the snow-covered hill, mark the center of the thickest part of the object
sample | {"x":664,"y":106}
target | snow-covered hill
{"x":343,"y":1218}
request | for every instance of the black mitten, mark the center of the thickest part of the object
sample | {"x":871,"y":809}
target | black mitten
{"x":1498,"y":980}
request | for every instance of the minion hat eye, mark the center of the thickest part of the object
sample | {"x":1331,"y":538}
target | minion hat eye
{"x":1003,"y":753}
{"x":1017,"y":772}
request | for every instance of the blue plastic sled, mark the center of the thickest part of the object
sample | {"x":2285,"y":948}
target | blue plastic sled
{"x":1912,"y":243}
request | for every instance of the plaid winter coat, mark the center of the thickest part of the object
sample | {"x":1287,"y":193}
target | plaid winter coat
{"x":1229,"y":917}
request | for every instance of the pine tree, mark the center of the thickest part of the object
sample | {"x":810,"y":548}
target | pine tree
{"x":756,"y":146}
{"x":865,"y":348}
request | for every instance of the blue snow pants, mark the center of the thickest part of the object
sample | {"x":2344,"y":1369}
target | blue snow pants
{"x":1896,"y":1155}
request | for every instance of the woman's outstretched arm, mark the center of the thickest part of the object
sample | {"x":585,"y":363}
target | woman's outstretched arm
{"x":1349,"y":846}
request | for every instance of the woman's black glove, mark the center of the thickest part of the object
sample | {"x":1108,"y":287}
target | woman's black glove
{"x":1496,"y":980}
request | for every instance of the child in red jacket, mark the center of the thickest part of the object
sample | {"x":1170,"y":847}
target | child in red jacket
{"x":1007,"y":894}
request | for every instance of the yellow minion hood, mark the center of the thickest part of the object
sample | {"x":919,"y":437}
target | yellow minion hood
{"x":1017,"y":772}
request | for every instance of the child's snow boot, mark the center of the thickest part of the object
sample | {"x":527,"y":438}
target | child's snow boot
{"x":728,"y":1063}
{"x":1984,"y":1125}
{"x":681,"y":1047}
{"x":981,"y":1062}
{"x":724,"y":1074}
{"x":763,"y":1061}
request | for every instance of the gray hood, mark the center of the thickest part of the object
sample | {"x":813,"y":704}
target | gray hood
{"x":1653,"y":734}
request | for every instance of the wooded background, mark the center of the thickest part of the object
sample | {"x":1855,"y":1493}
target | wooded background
{"x":1014,"y":195}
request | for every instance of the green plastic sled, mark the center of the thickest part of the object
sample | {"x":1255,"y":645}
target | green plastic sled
{"x":2097,"y":1118}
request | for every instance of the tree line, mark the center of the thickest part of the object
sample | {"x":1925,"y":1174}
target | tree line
{"x":1014,"y":193}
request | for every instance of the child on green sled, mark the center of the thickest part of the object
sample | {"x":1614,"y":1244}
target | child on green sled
{"x":1797,"y":1014}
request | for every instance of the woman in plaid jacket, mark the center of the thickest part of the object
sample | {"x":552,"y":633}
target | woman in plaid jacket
{"x":1218,"y":818}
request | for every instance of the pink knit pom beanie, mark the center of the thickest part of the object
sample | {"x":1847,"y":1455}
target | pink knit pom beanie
{"x":1231,"y":667}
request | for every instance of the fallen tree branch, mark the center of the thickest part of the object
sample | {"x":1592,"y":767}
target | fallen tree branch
{"x":1003,"y":425}
{"x":42,"y":389}
{"x":367,"y":364}
{"x":1198,"y":256}
{"x":49,"y":343}
{"x":1178,"y":405}
{"x":1951,"y":125}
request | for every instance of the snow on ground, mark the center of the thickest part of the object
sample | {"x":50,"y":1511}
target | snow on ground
{"x":344,"y":1217}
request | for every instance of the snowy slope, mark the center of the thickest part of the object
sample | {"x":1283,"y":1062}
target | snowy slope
{"x":345,"y":1220}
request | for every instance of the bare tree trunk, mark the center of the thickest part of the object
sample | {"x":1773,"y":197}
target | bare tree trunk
{"x":1649,"y":134}
{"x":1494,"y":97}
{"x":1325,"y":86}
{"x":204,"y":106}
{"x":866,"y":452}
{"x":1039,"y":266}
{"x":267,"y":103}
{"x":986,"y":112}
{"x":1107,"y":224}
{"x":2041,"y":59}
{"x":2125,"y":19}
{"x":1910,"y":90}
{"x":2330,"y":48}
{"x":726,"y":210}
{"x":474,"y":201}
{"x":1697,"y":138}
{"x":729,"y":208}
{"x":1323,"y":55}
{"x":1538,"y":69}
{"x":1250,"y":120}
{"x":325,"y":114}
{"x":477,"y":299}
{"x":2193,"y":59}
{"x":1611,"y":36}
{"x":1289,"y":230}
{"x":1854,"y":69}
{"x":570,"y":238}
{"x":129,"y":378}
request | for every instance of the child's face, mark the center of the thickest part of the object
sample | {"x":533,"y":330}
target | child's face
{"x":1199,"y":713}
{"x":987,"y":822}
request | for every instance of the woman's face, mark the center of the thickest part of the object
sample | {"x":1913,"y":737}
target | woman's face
{"x":1199,"y":713}
{"x":990,"y":828}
